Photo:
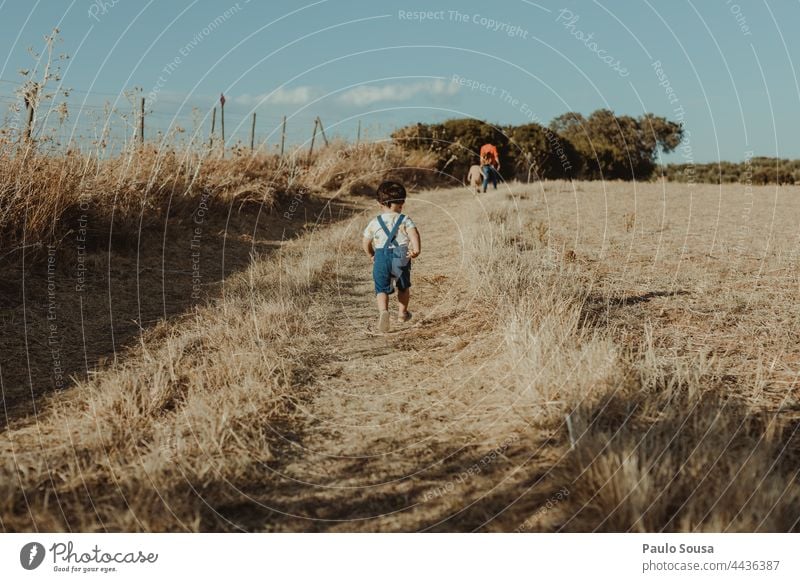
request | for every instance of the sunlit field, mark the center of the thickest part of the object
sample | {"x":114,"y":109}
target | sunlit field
{"x":583,"y":356}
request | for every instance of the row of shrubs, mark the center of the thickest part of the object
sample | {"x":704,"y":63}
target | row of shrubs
{"x":601,"y":146}
{"x":756,"y":171}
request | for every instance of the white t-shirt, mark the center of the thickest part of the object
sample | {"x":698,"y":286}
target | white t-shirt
{"x":375,"y":232}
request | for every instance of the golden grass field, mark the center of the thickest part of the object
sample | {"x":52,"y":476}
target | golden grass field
{"x":583,"y":357}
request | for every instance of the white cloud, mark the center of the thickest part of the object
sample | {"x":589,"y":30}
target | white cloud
{"x":295,"y":96}
{"x":369,"y":94}
{"x":358,"y":96}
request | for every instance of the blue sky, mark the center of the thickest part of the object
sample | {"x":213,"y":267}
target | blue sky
{"x":726,"y":68}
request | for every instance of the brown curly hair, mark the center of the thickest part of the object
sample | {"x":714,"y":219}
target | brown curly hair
{"x":389,"y":192}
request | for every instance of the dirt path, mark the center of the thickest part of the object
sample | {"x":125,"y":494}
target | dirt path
{"x":393,"y":435}
{"x":419,"y":430}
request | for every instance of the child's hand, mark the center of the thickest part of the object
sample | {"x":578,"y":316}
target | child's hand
{"x":412,"y":254}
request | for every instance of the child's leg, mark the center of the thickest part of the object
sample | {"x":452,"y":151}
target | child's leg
{"x":403,"y":297}
{"x":383,"y":301}
{"x":485,"y":172}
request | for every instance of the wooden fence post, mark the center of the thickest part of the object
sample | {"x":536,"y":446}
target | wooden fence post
{"x":141,"y":124}
{"x":283,"y":134}
{"x":322,"y":130}
{"x":358,"y":133}
{"x":213,"y":123}
{"x":222,"y":120}
{"x":253,"y":133}
{"x":313,"y":137}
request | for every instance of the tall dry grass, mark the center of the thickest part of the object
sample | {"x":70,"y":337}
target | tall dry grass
{"x":189,"y":417}
{"x":40,"y":193}
{"x":94,"y":251}
{"x":156,"y":443}
{"x":646,"y":442}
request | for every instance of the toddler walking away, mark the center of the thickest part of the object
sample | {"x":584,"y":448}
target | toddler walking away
{"x":392,"y":240}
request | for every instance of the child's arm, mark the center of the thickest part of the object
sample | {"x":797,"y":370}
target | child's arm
{"x":415,"y":246}
{"x":366,"y":244}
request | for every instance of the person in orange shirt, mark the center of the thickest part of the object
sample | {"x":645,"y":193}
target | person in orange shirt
{"x":490,"y":165}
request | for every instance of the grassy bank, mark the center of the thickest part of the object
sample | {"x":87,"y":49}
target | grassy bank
{"x":648,"y":436}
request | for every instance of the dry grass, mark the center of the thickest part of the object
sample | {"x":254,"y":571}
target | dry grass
{"x":359,"y":168}
{"x":681,"y":425}
{"x":97,"y":251}
{"x":625,"y":357}
{"x":157,"y":442}
{"x":40,"y":194}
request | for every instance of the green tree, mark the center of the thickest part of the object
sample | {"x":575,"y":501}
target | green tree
{"x":539,"y":152}
{"x":466,"y":136}
{"x":456,"y":142}
{"x":603,"y":145}
{"x":618,"y":147}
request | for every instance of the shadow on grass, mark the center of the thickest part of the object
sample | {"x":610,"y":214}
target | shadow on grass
{"x":69,"y":309}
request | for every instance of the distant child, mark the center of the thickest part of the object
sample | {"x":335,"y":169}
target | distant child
{"x":475,"y":177}
{"x":392,"y":240}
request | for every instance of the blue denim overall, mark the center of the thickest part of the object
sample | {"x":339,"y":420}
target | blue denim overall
{"x":489,"y":174}
{"x":388,"y":262}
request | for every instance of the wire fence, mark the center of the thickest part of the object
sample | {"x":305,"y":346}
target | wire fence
{"x":64,"y":122}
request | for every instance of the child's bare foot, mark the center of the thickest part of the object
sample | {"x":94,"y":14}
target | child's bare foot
{"x":404,"y":316}
{"x":383,"y":321}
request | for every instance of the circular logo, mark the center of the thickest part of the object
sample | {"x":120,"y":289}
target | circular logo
{"x":31,"y":555}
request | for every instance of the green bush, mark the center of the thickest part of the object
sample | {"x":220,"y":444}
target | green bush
{"x":602,"y":146}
